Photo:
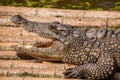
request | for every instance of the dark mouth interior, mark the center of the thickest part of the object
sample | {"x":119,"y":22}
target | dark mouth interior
{"x":43,"y":45}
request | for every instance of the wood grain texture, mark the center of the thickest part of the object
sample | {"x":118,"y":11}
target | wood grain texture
{"x":80,"y":18}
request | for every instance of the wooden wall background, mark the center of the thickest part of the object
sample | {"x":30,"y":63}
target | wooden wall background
{"x":12,"y":66}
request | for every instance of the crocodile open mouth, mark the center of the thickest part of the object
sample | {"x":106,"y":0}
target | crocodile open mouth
{"x":19,"y":21}
{"x":43,"y":44}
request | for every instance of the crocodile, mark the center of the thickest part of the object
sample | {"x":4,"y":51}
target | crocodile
{"x":94,"y":51}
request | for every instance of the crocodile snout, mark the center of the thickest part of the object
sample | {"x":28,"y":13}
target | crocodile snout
{"x":16,"y":19}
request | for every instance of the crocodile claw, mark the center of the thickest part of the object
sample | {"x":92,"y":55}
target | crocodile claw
{"x":71,"y":73}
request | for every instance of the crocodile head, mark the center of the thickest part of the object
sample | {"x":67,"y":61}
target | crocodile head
{"x":60,"y":34}
{"x":54,"y":30}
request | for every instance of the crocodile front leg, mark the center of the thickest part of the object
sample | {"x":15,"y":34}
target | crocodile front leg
{"x":100,"y":70}
{"x":52,"y":53}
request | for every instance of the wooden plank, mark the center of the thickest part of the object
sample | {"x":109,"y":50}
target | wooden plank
{"x":20,"y":67}
{"x":6,"y":46}
{"x":42,"y":12}
{"x":30,"y":70}
{"x":9,"y":55}
{"x":13,"y":55}
{"x":30,"y":78}
{"x":81,"y":18}
{"x":10,"y":31}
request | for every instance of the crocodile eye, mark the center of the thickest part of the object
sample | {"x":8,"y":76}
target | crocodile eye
{"x":53,"y":28}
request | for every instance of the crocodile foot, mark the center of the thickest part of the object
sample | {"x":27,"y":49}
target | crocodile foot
{"x":71,"y":73}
